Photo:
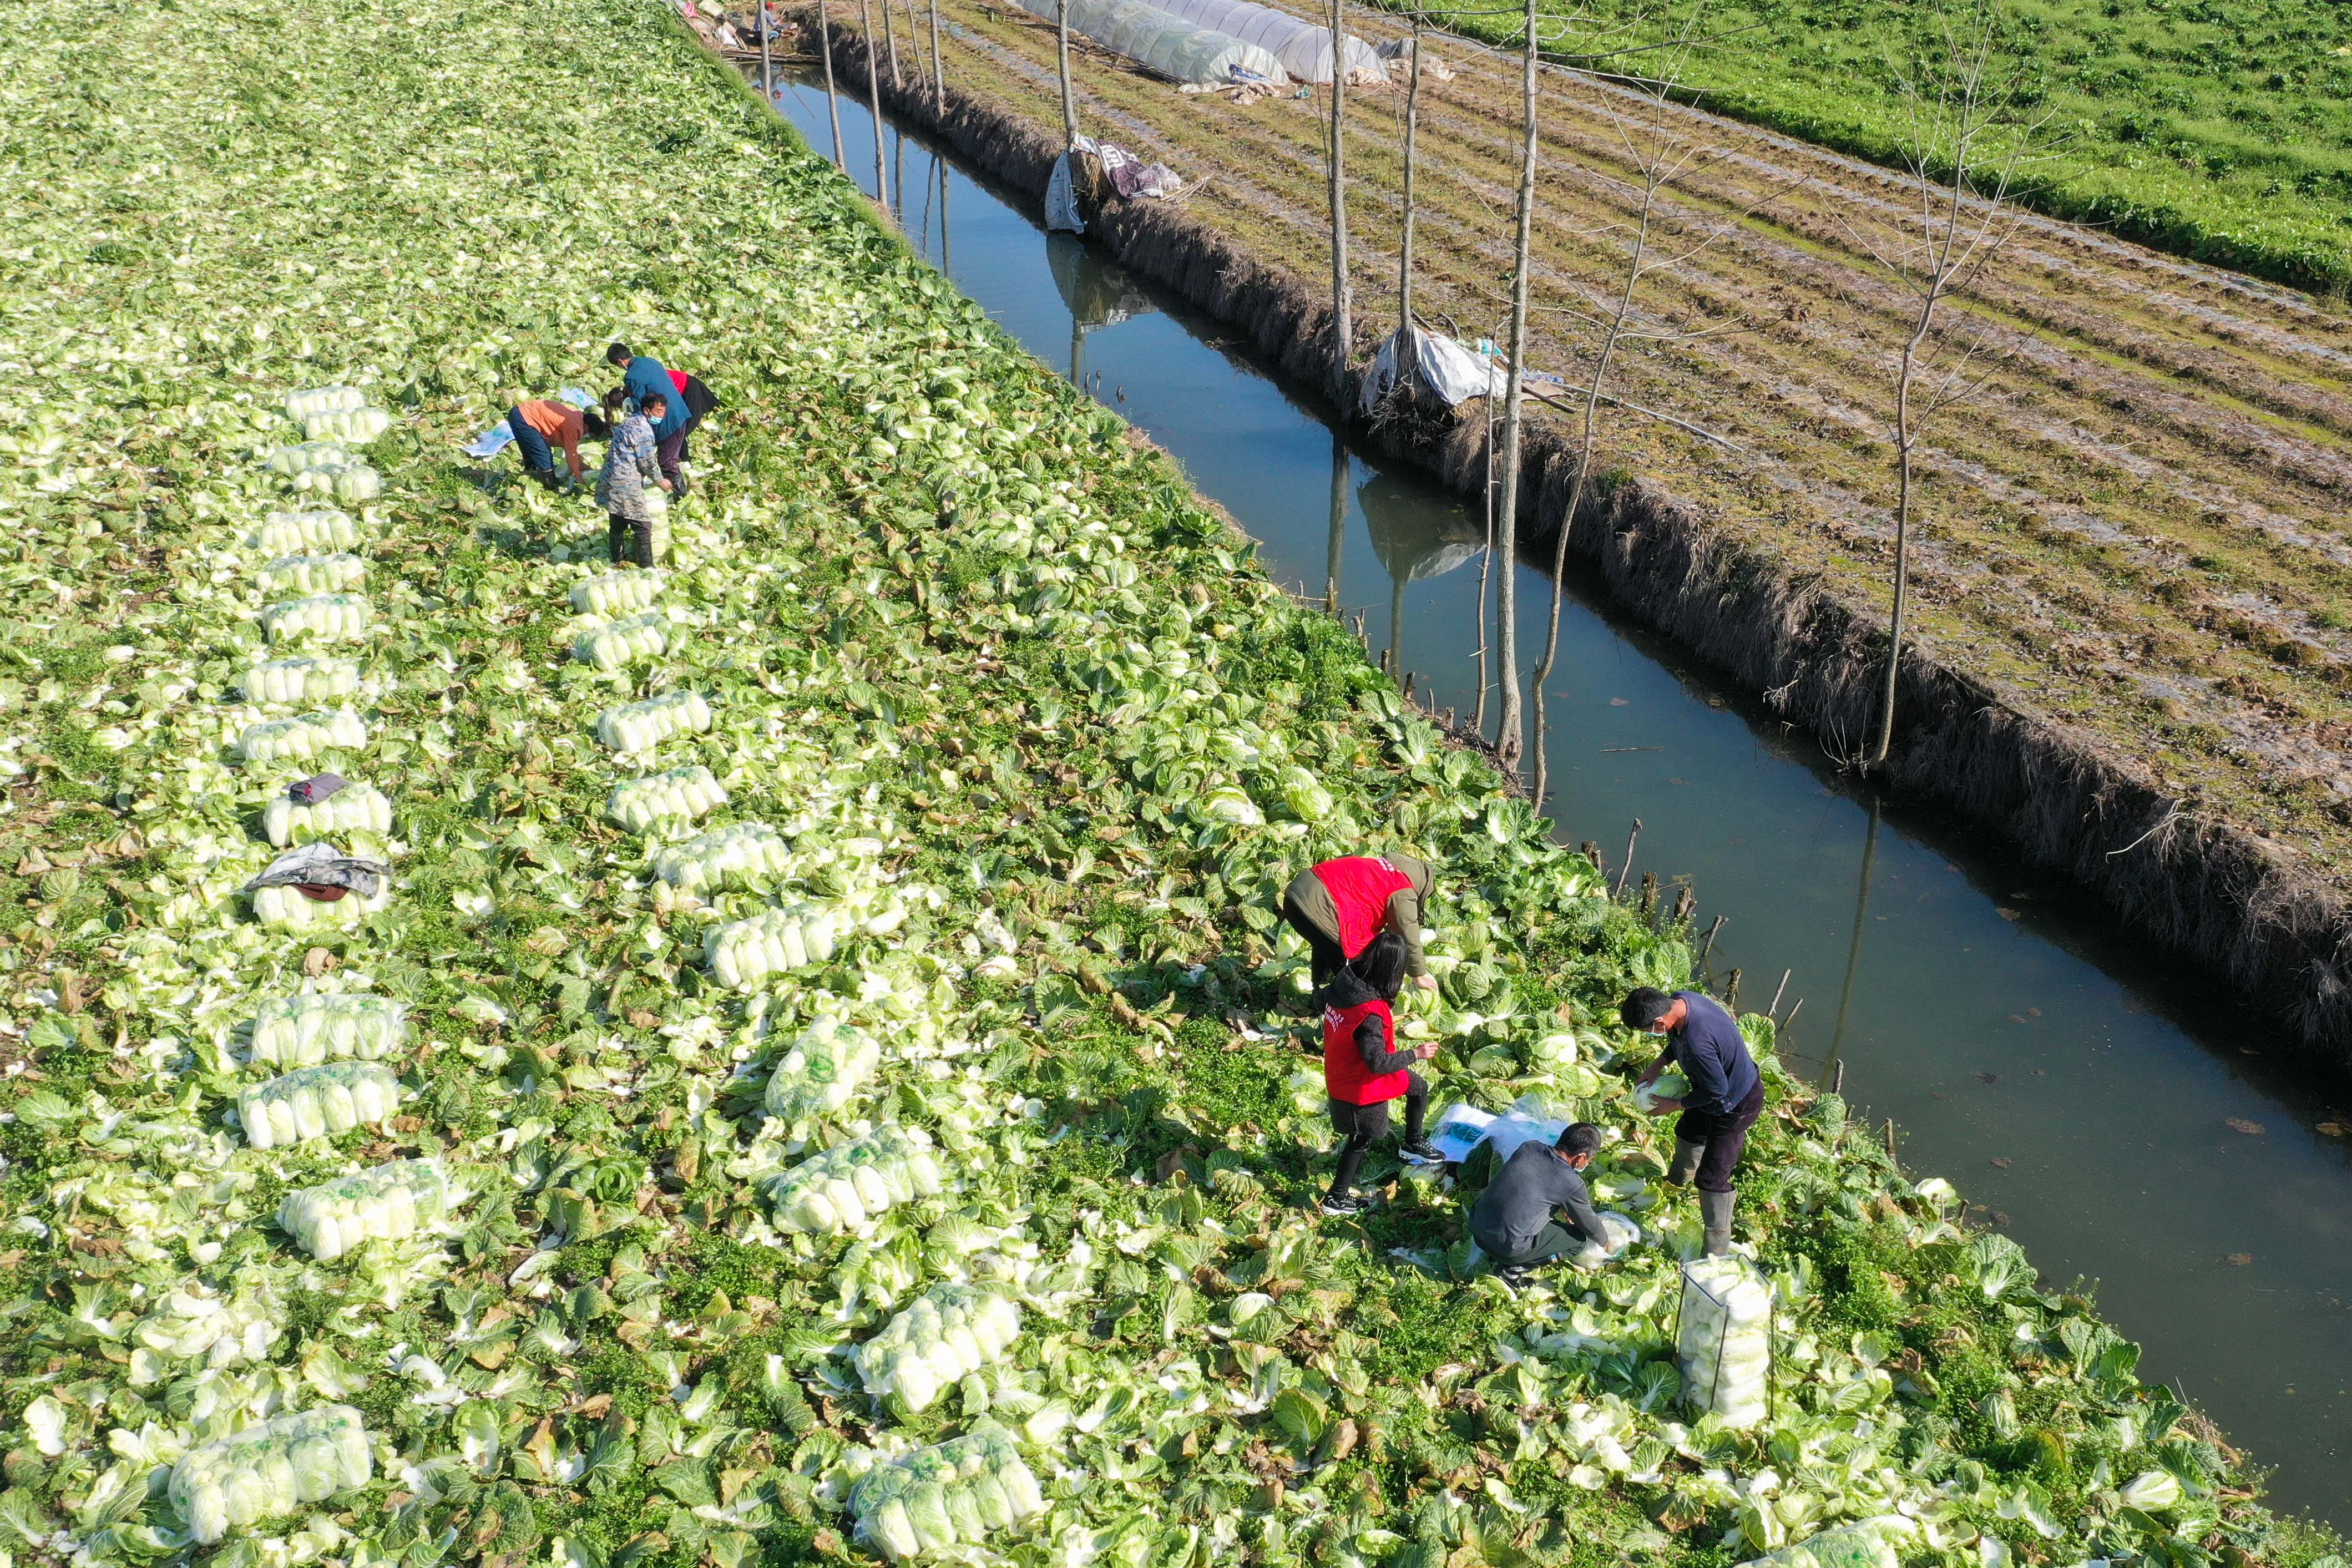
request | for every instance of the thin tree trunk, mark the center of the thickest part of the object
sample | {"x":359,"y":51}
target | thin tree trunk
{"x":891,"y":42}
{"x":832,"y":101}
{"x":1486,"y":556}
{"x":1062,"y":54}
{"x":767,"y":67}
{"x":1905,"y":438}
{"x":1412,"y":124}
{"x":1510,"y":743}
{"x":874,"y":101}
{"x":938,"y":69}
{"x":1342,"y":323}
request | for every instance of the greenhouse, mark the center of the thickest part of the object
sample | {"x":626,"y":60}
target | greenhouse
{"x":1161,"y":42}
{"x":1303,"y":49}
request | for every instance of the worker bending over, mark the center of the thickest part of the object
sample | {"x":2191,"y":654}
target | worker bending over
{"x":543,"y":425}
{"x":1726,"y":1095}
{"x":1516,"y":1220}
{"x":1365,"y":1067}
{"x":643,"y":376}
{"x":1340,"y":905}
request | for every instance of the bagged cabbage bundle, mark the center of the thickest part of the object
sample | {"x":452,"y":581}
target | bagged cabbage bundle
{"x":314,"y":573}
{"x":385,"y":1204}
{"x":748,"y":852}
{"x":689,"y":794}
{"x":937,"y":1499}
{"x":291,"y":909}
{"x":316,"y":400}
{"x":1669,"y":1085}
{"x":1724,"y":1345}
{"x":823,"y":1070}
{"x":616,"y":593}
{"x":852,"y":1182}
{"x":311,"y":679}
{"x":1623,"y":1234}
{"x":302,"y":456}
{"x":354,"y":809}
{"x":332,"y":617}
{"x":950,"y":1332}
{"x":323,"y":1101}
{"x":271,"y":1468}
{"x":625,"y":642}
{"x":305,"y":1030}
{"x":641,"y":726}
{"x":356,"y":426}
{"x":297,"y":532}
{"x":350,"y":483}
{"x":303,"y":739}
{"x":792,"y":937}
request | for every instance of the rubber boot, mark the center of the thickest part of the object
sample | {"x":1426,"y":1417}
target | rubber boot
{"x":1716,"y":1209}
{"x":1685,"y":1165}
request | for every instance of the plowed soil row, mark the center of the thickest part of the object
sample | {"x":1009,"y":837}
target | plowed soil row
{"x":2136,"y":526}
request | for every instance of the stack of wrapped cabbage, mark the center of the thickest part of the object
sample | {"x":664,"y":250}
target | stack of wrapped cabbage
{"x":314,"y":678}
{"x":687,"y":793}
{"x":851,"y":1182}
{"x":385,"y":1204}
{"x":295,"y":533}
{"x":271,"y":1468}
{"x":641,"y":726}
{"x":303,"y":1031}
{"x":331,"y":618}
{"x":615,"y":644}
{"x":323,"y":1101}
{"x":616,"y":593}
{"x":950,"y":1332}
{"x":791,"y":937}
{"x":823,"y":1071}
{"x":937,"y":1499}
{"x":332,"y":573}
{"x":354,"y":809}
{"x":1724,"y":1348}
{"x":304,"y":739}
{"x":748,"y":852}
{"x":291,"y":909}
{"x":1864,"y":1545}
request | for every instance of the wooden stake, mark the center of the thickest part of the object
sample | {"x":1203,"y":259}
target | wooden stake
{"x":1731,"y":994}
{"x":1774,"y":1010}
{"x":1708,"y":945}
{"x":1783,"y":1025}
{"x":1890,"y":1141}
{"x":1837,"y":1084}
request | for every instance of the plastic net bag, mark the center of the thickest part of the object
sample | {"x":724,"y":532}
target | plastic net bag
{"x":1724,"y":1342}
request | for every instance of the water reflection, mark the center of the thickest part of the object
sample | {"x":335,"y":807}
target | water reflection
{"x":1415,"y":542}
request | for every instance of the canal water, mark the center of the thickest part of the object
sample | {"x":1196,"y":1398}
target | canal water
{"x":2098,"y":1105}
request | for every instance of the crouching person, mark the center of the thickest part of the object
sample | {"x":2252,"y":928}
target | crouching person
{"x":1363,"y":1067}
{"x":1516,"y":1220}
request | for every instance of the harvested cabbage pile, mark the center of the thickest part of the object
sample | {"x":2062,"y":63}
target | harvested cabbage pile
{"x":875,"y":978}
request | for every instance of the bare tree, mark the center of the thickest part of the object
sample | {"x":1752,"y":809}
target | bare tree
{"x":1062,"y":53}
{"x":1342,"y":325}
{"x":1511,"y":739}
{"x":1404,"y":252}
{"x":891,"y":42}
{"x":938,"y":69}
{"x":873,"y":99}
{"x":832,"y":99}
{"x":1968,"y":140}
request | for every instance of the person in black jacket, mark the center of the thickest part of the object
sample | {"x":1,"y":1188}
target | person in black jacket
{"x":1364,"y":1067}
{"x":1726,"y":1095}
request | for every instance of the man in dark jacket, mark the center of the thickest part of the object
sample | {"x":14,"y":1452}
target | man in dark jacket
{"x":1726,"y":1095}
{"x":1514,"y":1220}
{"x":643,"y":376}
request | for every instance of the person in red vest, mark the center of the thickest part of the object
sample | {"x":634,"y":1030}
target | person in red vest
{"x":1365,"y":1067}
{"x":1341,"y":905}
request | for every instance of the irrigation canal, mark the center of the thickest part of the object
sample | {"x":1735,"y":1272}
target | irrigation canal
{"x":2086,"y":1096}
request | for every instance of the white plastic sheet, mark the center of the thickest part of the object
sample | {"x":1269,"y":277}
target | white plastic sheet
{"x":1441,"y":367}
{"x":1164,"y":42}
{"x":1303,"y":48}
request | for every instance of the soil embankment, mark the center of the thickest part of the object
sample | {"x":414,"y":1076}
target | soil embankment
{"x":2129,"y":668}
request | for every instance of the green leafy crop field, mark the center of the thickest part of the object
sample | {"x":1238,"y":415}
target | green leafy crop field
{"x":2218,"y":131}
{"x":814,"y":1083}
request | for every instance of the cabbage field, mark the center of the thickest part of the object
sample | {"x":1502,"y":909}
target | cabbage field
{"x":813,"y":1082}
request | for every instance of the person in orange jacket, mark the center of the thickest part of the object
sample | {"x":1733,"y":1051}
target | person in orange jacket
{"x":1365,"y":1067}
{"x":1339,"y":906}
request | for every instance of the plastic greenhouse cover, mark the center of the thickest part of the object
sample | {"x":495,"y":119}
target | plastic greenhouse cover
{"x":1159,"y":41}
{"x":1303,"y":49}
